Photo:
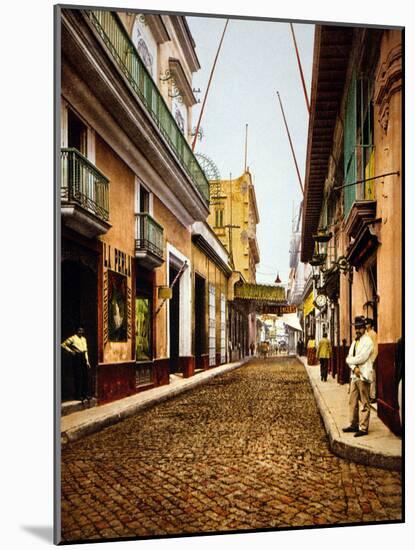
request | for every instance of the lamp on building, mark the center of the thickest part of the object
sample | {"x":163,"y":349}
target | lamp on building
{"x":321,"y":238}
{"x":343,"y":264}
{"x":278,"y":280}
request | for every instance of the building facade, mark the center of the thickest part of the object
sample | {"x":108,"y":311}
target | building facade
{"x":352,"y":224}
{"x":234,"y":217}
{"x":131,"y":192}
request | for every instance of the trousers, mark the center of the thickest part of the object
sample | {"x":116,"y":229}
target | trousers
{"x":324,"y":365}
{"x":81,"y":373}
{"x":359,"y":391}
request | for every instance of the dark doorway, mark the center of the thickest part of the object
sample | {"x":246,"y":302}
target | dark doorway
{"x":174,"y":317}
{"x":77,"y":133}
{"x":79,"y":308}
{"x":200,"y":319}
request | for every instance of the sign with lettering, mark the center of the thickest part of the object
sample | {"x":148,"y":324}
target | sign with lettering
{"x":267,"y":293}
{"x":117,"y":260}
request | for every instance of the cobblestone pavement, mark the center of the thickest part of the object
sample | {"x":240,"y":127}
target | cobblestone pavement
{"x":246,"y":451}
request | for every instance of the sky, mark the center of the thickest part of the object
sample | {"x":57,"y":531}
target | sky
{"x":256,"y":60}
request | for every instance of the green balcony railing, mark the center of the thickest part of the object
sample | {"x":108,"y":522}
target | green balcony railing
{"x":83,"y":184}
{"x":123,"y":51}
{"x":149,"y":235}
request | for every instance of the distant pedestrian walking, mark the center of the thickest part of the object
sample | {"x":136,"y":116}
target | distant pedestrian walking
{"x":359,"y":361}
{"x":77,"y":347}
{"x":324,"y":353}
{"x":300,"y":347}
{"x":311,"y":352}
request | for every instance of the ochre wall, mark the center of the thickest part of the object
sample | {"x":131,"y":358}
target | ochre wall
{"x":204,"y":266}
{"x":179,"y":236}
{"x":121,"y":235}
{"x":237,"y":209}
{"x":388,"y":158}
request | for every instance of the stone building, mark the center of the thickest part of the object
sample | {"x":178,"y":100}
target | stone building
{"x":133,"y":199}
{"x":234,"y":217}
{"x":352,"y":222}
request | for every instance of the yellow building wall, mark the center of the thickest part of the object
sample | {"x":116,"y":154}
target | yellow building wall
{"x":179,"y":236}
{"x":388,"y":158}
{"x":236,"y":211}
{"x":205,"y":267}
{"x":121,"y":236}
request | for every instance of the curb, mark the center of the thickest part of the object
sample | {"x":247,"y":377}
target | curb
{"x":355,"y":453}
{"x":91,"y":426}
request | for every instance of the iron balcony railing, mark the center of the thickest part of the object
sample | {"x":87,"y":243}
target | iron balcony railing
{"x":149,"y":234}
{"x":128,"y":60}
{"x":83,"y":183}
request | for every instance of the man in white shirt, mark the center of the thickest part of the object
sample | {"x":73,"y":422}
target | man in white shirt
{"x":359,"y":361}
{"x":77,"y":346}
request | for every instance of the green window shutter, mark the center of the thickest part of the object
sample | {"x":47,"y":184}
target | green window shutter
{"x":350,"y":148}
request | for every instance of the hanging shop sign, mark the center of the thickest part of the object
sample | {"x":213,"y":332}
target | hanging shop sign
{"x":309,"y":304}
{"x":248,"y":291}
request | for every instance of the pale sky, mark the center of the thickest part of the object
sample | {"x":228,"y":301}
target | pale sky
{"x":257,"y":59}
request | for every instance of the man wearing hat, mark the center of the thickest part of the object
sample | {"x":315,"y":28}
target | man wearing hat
{"x":359,"y":361}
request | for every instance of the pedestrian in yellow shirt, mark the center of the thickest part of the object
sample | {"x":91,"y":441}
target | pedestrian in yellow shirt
{"x":324,"y":353}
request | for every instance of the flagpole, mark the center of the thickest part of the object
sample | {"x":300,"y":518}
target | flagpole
{"x":208,"y":86}
{"x":301,"y":69}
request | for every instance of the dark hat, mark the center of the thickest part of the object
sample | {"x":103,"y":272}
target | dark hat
{"x":359,"y":321}
{"x":369,"y":321}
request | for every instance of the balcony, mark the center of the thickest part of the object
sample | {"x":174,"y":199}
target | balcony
{"x":84,"y":195}
{"x":126,"y":57}
{"x":149,"y":243}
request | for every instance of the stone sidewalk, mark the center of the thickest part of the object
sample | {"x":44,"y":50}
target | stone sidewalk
{"x":380,"y":448}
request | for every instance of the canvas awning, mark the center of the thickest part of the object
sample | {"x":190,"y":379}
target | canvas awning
{"x":292,"y":321}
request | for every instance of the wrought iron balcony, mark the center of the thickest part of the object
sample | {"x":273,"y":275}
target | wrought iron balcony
{"x":149,"y":243}
{"x":125,"y":55}
{"x":84,"y":195}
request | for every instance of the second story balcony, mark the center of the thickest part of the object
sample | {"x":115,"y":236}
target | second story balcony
{"x":84,"y":195}
{"x":126,"y":57}
{"x":149,"y":242}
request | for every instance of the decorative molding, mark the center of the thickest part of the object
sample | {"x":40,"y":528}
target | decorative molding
{"x":157,"y":28}
{"x":181,"y":81}
{"x":186,"y":41}
{"x":105,"y":307}
{"x":143,"y":150}
{"x":388,"y":82}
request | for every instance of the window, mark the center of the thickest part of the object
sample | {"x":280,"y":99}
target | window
{"x":219,"y":217}
{"x":358,"y":142}
{"x":144,"y":200}
{"x":77,"y":133}
{"x":222,"y":328}
{"x":143,"y":328}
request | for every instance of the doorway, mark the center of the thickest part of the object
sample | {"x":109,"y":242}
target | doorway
{"x":200,"y":319}
{"x":174,"y":322}
{"x":79,"y":308}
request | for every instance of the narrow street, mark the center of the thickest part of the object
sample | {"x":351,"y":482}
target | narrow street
{"x":246,"y":451}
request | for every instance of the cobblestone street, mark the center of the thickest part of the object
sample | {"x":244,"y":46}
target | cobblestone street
{"x":246,"y":451}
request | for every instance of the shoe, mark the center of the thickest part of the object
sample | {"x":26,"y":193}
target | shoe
{"x":360,"y":433}
{"x":350,"y":429}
